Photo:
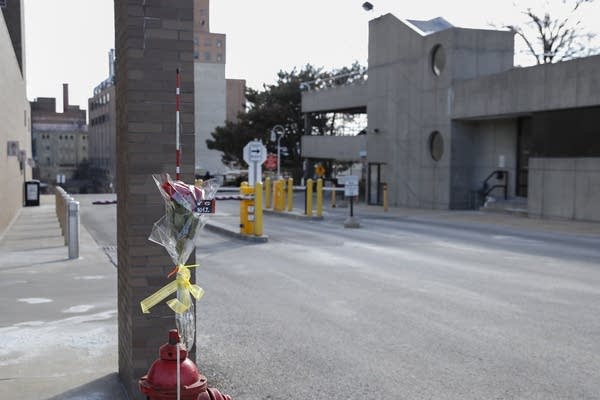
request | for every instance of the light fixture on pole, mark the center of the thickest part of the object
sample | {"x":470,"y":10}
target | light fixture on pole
{"x":277,"y":133}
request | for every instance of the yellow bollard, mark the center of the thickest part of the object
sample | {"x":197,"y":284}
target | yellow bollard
{"x":246,"y":210}
{"x":276,"y":195}
{"x":258,"y":209}
{"x":281,"y":190}
{"x":319,"y":197}
{"x":309,"y":195}
{"x":385,"y":197}
{"x":268,"y":192}
{"x":290,"y":194}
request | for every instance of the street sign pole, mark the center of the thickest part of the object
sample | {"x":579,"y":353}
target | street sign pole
{"x":255,"y":153}
{"x":351,"y":191}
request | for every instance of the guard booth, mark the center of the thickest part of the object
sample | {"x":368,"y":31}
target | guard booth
{"x":31,"y":193}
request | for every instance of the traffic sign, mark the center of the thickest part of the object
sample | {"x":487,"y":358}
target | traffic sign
{"x":319,"y":170}
{"x":351,"y":186}
{"x":255,"y":152}
{"x":271,"y":162}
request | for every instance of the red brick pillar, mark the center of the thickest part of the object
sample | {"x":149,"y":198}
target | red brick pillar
{"x":153,"y":38}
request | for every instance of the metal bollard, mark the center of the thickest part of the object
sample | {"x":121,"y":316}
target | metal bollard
{"x":268,"y":188}
{"x":385,"y":197}
{"x":258,"y":209}
{"x":309,"y":197}
{"x":319,"y":197}
{"x":290,"y":194}
{"x":73,"y":223}
{"x":65,"y":216}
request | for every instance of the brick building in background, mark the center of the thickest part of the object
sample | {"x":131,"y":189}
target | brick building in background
{"x":102,"y":131}
{"x":59,"y":141}
{"x":15,"y":137}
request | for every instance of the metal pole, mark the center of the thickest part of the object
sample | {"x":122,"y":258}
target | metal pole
{"x":278,"y":157}
{"x":177,"y":144}
{"x":351,"y":206}
{"x":73,"y":213}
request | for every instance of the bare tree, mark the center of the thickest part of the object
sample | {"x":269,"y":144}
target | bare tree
{"x":551,"y":38}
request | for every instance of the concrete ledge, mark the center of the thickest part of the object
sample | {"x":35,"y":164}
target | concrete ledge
{"x":228,"y":231}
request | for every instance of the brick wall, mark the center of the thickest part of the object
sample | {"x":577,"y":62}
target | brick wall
{"x":152,"y":40}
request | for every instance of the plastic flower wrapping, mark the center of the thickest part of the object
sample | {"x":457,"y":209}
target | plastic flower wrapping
{"x":178,"y":231}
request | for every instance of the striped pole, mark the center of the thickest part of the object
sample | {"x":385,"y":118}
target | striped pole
{"x":177,"y":144}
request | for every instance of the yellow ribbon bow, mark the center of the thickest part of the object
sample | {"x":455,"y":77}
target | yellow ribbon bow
{"x":182,"y":285}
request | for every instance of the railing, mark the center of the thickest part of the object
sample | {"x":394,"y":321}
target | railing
{"x":498,"y":175}
{"x":335,"y":80}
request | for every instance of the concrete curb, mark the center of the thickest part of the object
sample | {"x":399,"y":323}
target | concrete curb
{"x":227,"y":231}
{"x":292,"y":215}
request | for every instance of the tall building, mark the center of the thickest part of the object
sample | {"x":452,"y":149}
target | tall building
{"x":15,"y":137}
{"x":59,"y":140}
{"x":102,"y":132}
{"x":217,"y":99}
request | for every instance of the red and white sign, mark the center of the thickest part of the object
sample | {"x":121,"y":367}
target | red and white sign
{"x":271,"y":161}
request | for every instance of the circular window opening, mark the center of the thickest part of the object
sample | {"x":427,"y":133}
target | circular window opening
{"x":436,"y":145}
{"x":438,"y":59}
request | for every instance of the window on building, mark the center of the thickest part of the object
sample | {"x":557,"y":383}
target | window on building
{"x":219,"y":58}
{"x":438,"y":59}
{"x":219,"y":43}
{"x":196,"y":55}
{"x":207,"y":56}
{"x":436,"y":145}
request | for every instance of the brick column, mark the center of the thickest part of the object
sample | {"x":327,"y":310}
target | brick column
{"x":153,"y":38}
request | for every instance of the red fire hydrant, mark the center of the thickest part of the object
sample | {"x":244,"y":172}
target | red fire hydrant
{"x":161,"y":381}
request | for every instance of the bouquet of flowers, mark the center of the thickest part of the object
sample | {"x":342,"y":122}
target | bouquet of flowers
{"x":177,"y":231}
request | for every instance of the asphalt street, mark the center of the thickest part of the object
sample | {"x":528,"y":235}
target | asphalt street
{"x":409,"y":306}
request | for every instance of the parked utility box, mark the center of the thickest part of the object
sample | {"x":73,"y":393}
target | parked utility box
{"x":31,"y":193}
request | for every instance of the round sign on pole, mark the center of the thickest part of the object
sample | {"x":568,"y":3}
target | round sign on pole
{"x":271,"y":162}
{"x":319,"y":170}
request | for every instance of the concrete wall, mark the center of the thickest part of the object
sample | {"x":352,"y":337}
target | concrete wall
{"x":210,"y":99}
{"x":14,"y":17}
{"x":15,"y":126}
{"x":341,"y":148}
{"x":407,"y":102}
{"x":345,"y":97}
{"x":564,"y":188}
{"x":567,"y":84}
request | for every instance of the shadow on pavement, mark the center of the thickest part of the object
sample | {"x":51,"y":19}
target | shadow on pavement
{"x":108,"y":387}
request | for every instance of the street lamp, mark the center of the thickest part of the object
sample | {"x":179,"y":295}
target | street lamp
{"x":277,"y":133}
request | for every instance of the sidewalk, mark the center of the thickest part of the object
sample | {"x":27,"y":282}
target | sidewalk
{"x":58,"y":317}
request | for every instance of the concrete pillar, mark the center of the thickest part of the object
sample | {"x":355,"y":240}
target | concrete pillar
{"x":153,"y":39}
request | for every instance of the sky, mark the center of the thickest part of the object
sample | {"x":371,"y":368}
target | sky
{"x":67,"y":41}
